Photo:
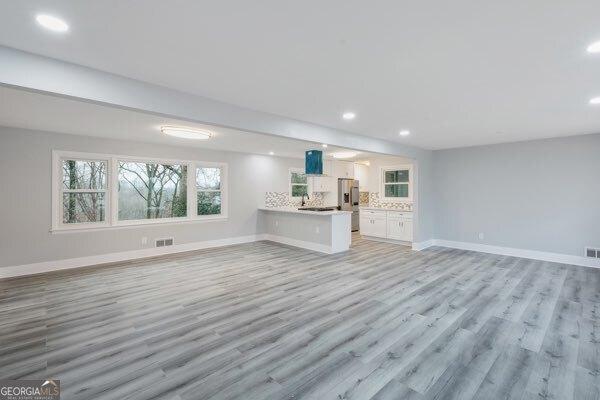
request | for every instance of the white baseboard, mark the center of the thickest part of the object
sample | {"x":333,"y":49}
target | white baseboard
{"x":71,"y":263}
{"x":510,"y":251}
{"x":59,"y":265}
{"x":418,"y":246}
{"x":386,"y":240}
{"x":298,"y":243}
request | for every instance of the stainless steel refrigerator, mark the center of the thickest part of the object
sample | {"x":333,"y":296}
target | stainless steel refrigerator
{"x":348,"y":199}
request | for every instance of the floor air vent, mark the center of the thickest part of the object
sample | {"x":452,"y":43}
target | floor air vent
{"x":592,"y":252}
{"x":164,"y":242}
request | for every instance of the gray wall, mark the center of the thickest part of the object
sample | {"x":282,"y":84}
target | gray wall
{"x":25,"y":202}
{"x":41,"y":74}
{"x":425,"y":205}
{"x":540,"y":195}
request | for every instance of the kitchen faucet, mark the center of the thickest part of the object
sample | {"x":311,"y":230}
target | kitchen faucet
{"x":303,"y":202}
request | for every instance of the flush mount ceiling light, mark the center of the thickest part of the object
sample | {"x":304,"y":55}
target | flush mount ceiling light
{"x":595,"y":101}
{"x":186,"y":133}
{"x":324,"y":145}
{"x":52,"y":23}
{"x":348,"y":115}
{"x":271,"y":153}
{"x":404,"y":132}
{"x":594,"y":47}
{"x":344,"y":154}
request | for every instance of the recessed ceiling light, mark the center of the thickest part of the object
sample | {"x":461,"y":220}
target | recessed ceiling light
{"x":52,"y":23}
{"x":348,"y":115}
{"x":595,"y":101}
{"x":594,"y":47}
{"x":324,"y":145}
{"x":186,"y":133}
{"x":271,"y":153}
{"x":404,"y":132}
{"x":344,"y":154}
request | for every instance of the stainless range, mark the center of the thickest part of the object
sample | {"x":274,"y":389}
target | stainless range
{"x":348,"y":195}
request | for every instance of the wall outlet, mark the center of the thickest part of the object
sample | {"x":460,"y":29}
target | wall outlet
{"x":276,"y":223}
{"x":144,"y":241}
{"x":317,"y":230}
{"x":481,"y":236}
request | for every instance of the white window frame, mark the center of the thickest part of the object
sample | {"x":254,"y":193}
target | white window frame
{"x":308,"y":182}
{"x":57,"y":192}
{"x":383,"y":170}
{"x":111,"y":191}
{"x":223,"y":190}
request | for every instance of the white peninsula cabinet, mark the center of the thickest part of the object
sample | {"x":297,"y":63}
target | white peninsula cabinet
{"x":393,"y":225}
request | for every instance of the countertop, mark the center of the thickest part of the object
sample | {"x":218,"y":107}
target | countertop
{"x":294,"y":210}
{"x":383,"y":209}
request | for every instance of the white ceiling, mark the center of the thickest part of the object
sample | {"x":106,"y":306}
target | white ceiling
{"x":27,"y":110}
{"x":456,"y":73}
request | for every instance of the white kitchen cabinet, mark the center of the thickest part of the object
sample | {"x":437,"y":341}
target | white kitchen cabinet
{"x":322,"y":184}
{"x":365,"y":225}
{"x":343,"y":169}
{"x":328,"y":168}
{"x":399,"y":229}
{"x":361,"y":172}
{"x":407,"y":227}
{"x":395,"y":225}
{"x":373,"y":223}
{"x":375,"y":227}
{"x":325,"y":182}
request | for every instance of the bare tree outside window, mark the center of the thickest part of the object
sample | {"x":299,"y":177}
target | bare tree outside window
{"x":208,"y":186}
{"x":83,"y":191}
{"x":151,"y":190}
{"x":299,"y":184}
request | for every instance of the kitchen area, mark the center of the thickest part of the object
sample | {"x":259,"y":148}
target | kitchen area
{"x":343,"y":192}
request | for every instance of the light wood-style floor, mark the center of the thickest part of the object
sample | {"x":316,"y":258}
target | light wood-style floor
{"x":266,"y":321}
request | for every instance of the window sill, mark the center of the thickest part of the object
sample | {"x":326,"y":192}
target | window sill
{"x":136,"y":224}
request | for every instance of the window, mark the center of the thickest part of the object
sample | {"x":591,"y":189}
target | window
{"x":100,"y":191}
{"x":83,"y":191}
{"x":152,"y":190}
{"x":298,"y":183}
{"x":396,"y":183}
{"x":208,"y":187}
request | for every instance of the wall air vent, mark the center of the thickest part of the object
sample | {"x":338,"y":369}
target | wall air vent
{"x":164,"y":242}
{"x":592,"y":252}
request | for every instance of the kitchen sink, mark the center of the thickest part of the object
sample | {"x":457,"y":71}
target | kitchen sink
{"x":317,"y":208}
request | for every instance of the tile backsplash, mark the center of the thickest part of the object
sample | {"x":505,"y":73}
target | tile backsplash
{"x":283,"y":199}
{"x":370,"y":199}
{"x":374,"y":201}
{"x":363,"y":198}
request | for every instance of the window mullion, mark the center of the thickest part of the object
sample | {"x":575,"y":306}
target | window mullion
{"x":192,"y":194}
{"x":83,"y":190}
{"x":113,"y":190}
{"x":110,"y":190}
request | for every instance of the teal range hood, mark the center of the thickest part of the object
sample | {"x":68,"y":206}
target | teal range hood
{"x":313,"y":162}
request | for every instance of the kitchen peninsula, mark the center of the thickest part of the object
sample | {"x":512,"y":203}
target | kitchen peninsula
{"x":323,"y":231}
